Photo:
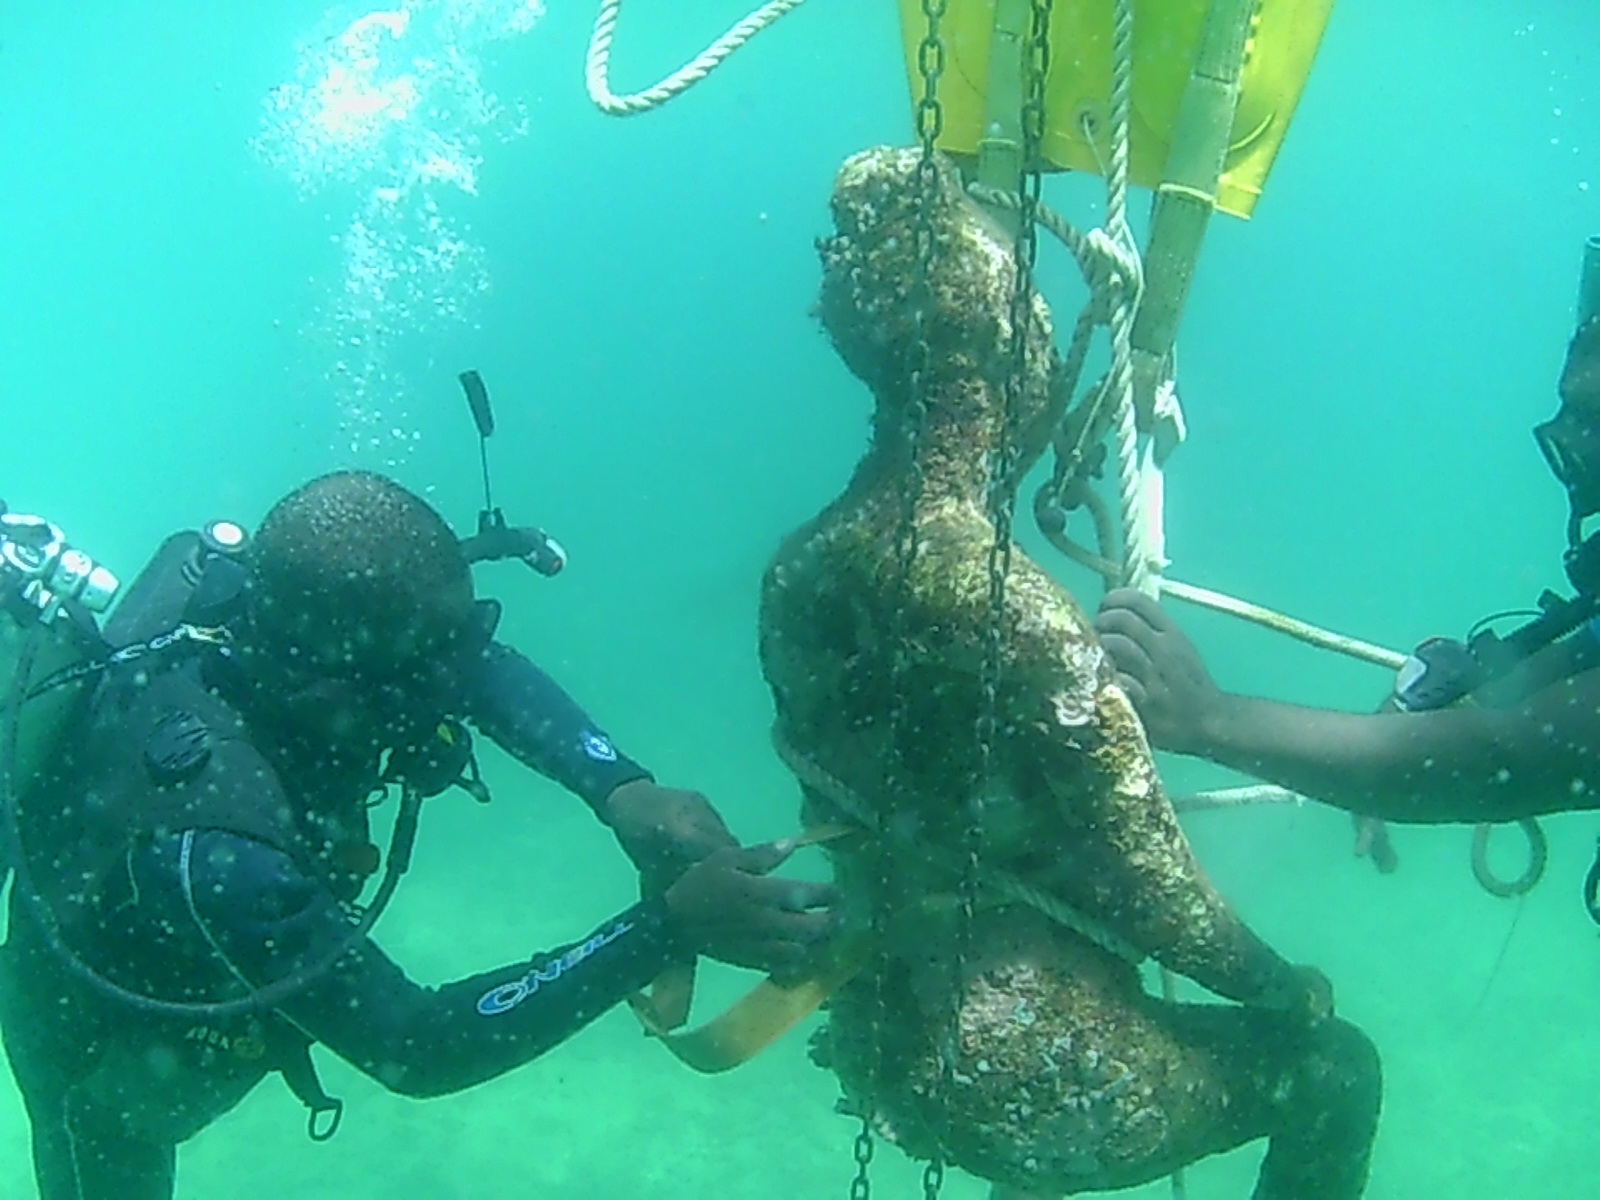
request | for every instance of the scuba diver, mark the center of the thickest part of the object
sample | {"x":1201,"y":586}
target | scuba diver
{"x":185,"y":913}
{"x":1523,"y":746}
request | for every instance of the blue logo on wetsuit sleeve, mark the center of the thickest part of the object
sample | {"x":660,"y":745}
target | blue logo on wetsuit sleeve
{"x":598,"y":746}
{"x":508,"y":995}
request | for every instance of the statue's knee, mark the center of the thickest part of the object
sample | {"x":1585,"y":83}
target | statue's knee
{"x":1344,"y":1071}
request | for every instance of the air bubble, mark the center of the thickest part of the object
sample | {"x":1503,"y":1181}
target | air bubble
{"x":392,"y":104}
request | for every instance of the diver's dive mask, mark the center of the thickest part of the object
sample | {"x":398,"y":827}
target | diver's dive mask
{"x":1570,"y":442}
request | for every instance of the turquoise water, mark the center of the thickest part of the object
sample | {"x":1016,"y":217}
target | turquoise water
{"x":185,"y":262}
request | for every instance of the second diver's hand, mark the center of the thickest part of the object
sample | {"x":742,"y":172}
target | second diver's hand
{"x":1343,"y":758}
{"x":1163,"y":674}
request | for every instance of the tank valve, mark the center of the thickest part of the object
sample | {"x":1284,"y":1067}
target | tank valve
{"x":37,"y":565}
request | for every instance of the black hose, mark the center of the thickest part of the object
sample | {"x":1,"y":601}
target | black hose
{"x":1538,"y":857}
{"x":1591,"y":888}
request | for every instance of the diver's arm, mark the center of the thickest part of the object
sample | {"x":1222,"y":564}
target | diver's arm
{"x":1470,"y":763}
{"x":528,"y":715}
{"x":663,"y":830}
{"x":1463,"y":764}
{"x":270,"y":921}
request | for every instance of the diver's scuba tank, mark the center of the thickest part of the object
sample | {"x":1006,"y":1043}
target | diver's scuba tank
{"x":48,"y":591}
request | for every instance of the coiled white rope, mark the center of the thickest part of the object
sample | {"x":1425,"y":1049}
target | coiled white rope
{"x":598,"y":65}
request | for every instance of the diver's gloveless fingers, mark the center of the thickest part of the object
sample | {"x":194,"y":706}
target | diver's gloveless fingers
{"x":688,"y":817}
{"x":754,"y":860}
{"x":793,"y":895}
{"x":1133,"y":690}
{"x":781,"y":943}
{"x":1135,"y":601}
{"x":781,"y":951}
{"x":706,"y":839}
{"x":760,"y":858}
{"x":802,"y":928}
{"x":1119,"y":626}
{"x":722,"y":909}
{"x":1129,"y":656}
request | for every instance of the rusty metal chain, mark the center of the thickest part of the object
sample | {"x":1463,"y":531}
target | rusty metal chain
{"x":914,"y":417}
{"x":861,"y":1185}
{"x":1003,"y":458}
{"x":929,"y":117}
{"x":1003,"y":455}
{"x":1002,"y":492}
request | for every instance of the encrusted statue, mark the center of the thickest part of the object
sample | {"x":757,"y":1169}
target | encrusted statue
{"x":1005,"y":1027}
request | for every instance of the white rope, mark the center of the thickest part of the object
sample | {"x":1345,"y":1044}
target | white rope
{"x":1140,"y":565}
{"x":598,"y":65}
{"x":1141,"y":562}
{"x":819,"y":779}
{"x":1110,"y":261}
{"x":1236,"y":797}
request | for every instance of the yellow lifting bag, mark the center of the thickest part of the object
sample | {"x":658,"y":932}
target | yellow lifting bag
{"x":1283,"y":41}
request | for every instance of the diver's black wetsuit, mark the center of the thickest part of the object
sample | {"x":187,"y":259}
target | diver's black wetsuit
{"x":111,"y":1091}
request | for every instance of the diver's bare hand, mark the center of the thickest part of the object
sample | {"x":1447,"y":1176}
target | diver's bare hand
{"x":1373,"y":841}
{"x":727,"y":906}
{"x":664,"y":830}
{"x":1160,"y":670}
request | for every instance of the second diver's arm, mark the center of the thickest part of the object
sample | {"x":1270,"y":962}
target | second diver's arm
{"x":1464,"y":764}
{"x":1470,"y":763}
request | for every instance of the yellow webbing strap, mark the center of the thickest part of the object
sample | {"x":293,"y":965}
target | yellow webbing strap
{"x":758,"y":1018}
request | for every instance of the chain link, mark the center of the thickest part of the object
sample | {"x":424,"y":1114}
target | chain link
{"x":930,"y":121}
{"x":1003,"y":460}
{"x":932,"y":1180}
{"x":1003,"y":487}
{"x":912,"y":426}
{"x":861,"y":1185}
{"x":930,"y":66}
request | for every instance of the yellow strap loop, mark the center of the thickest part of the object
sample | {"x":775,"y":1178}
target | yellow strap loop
{"x":763,"y":1014}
